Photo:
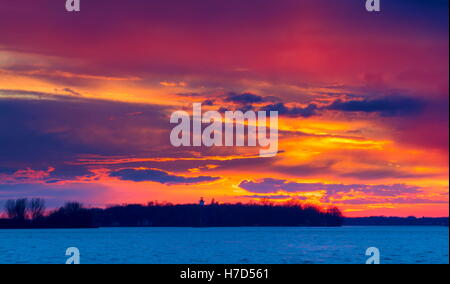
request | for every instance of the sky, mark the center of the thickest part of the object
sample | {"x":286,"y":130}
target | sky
{"x":86,"y":99}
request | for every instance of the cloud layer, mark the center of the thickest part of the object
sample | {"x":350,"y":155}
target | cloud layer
{"x":156,"y":175}
{"x":85,"y":101}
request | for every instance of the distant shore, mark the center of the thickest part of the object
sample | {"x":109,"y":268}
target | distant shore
{"x":396,"y":221}
{"x":347,"y":222}
{"x":31,"y":214}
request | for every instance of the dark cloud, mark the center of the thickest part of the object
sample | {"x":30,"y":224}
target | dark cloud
{"x":72,"y":92}
{"x":383,"y":174}
{"x":387,"y":106}
{"x":61,"y":173}
{"x":41,"y":131}
{"x":282,"y":109}
{"x":209,"y":102}
{"x":429,"y":130}
{"x":159,"y":176}
{"x":69,"y":172}
{"x":38,"y":131}
{"x":244,"y":99}
{"x":269,"y":185}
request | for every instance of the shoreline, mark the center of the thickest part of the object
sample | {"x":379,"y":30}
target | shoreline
{"x":230,"y":227}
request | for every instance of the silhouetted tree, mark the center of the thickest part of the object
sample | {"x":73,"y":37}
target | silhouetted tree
{"x":335,"y":217}
{"x":71,"y":215}
{"x":72,"y":207}
{"x":74,"y":215}
{"x":36,"y":208}
{"x":16,"y":209}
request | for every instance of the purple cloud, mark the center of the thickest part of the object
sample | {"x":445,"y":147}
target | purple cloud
{"x":159,"y":176}
{"x":276,"y":185}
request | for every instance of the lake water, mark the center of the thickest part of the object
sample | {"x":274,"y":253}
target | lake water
{"x":227,"y":245}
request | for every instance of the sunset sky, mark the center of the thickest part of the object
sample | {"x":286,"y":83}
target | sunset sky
{"x":85,"y":101}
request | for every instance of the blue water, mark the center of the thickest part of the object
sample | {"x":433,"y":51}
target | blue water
{"x":228,"y":245}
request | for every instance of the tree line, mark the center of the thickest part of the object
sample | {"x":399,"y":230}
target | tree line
{"x":23,"y":213}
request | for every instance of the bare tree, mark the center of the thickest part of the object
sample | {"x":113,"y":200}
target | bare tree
{"x":10,"y":208}
{"x":17,"y":209}
{"x":36,"y":208}
{"x":335,"y":212}
{"x":73,"y":207}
